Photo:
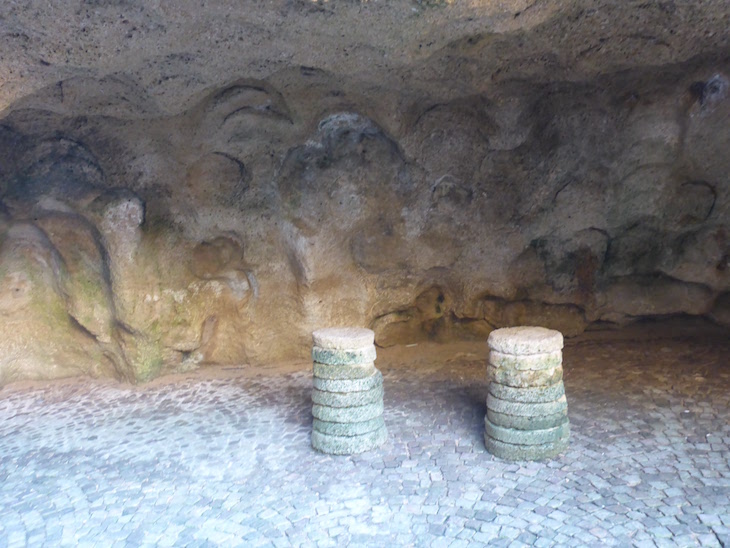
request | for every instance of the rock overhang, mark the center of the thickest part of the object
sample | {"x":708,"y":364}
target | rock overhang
{"x":428,"y":169}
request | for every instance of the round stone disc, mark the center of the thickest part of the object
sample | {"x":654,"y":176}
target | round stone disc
{"x":525,"y":379}
{"x":348,"y":399}
{"x":525,"y":340}
{"x":349,"y":385}
{"x":527,"y":423}
{"x":347,"y":428}
{"x":343,"y":372}
{"x":527,"y":437}
{"x":526,"y":409}
{"x":514,"y":452}
{"x":332,"y":356}
{"x":343,"y":338}
{"x":349,"y":445}
{"x":527,"y":395}
{"x":347,"y":414}
{"x":529,"y":362}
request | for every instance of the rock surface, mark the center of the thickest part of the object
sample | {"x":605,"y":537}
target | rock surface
{"x":202,"y":183}
{"x":526,"y":378}
{"x":526,"y":437}
{"x":347,"y":415}
{"x":538,"y":344}
{"x":343,"y":338}
{"x":527,"y":395}
{"x":349,"y":445}
{"x":348,"y":399}
{"x":517,"y":452}
{"x":338,"y":373}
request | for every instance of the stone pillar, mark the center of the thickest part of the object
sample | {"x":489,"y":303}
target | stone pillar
{"x":348,"y":392}
{"x":527,"y":413}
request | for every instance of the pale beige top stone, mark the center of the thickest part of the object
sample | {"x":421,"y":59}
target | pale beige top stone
{"x":525,"y":340}
{"x":343,"y":338}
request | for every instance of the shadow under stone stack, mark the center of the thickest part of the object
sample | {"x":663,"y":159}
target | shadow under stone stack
{"x":527,"y":413}
{"x":348,"y":392}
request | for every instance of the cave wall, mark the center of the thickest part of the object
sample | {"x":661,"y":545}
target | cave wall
{"x":525,"y":169}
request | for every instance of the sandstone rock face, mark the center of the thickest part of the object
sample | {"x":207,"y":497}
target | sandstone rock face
{"x":192,"y":184}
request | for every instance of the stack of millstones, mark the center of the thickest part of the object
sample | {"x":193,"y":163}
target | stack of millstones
{"x":527,"y":413}
{"x":348,"y":392}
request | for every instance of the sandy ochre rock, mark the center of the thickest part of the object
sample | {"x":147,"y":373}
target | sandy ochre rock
{"x":190,"y":183}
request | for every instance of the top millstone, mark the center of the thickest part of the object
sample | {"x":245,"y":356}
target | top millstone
{"x":343,"y":338}
{"x":525,"y":340}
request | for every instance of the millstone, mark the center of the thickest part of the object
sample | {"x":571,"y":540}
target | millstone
{"x":527,"y":395}
{"x":527,"y":423}
{"x":349,"y":445}
{"x":343,"y":372}
{"x":347,"y":428}
{"x":514,"y":452}
{"x":343,"y":338}
{"x":532,"y":362}
{"x":526,"y":409}
{"x":525,"y":340}
{"x":333,"y":356}
{"x":348,"y":399}
{"x":349,"y":385}
{"x":527,"y":437}
{"x":525,"y":379}
{"x":347,"y":414}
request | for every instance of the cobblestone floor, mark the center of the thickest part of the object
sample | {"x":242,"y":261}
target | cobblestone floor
{"x":224,"y":459}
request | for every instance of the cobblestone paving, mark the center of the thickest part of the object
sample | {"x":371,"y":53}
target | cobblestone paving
{"x":226,"y":461}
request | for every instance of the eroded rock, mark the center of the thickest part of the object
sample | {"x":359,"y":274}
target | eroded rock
{"x":40,"y":339}
{"x":432,"y":170}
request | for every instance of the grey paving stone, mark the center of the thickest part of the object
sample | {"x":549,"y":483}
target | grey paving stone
{"x":521,"y":409}
{"x":348,"y":414}
{"x":525,"y":379}
{"x":331,"y":356}
{"x":527,"y":437}
{"x":527,"y":395}
{"x":343,"y":372}
{"x":349,"y":385}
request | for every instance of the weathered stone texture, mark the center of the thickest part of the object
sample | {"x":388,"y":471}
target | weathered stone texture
{"x":332,"y":356}
{"x":349,"y":385}
{"x":526,"y":341}
{"x":343,"y":338}
{"x":348,"y":428}
{"x":339,"y":372}
{"x":527,"y":437}
{"x":349,"y":445}
{"x":518,"y":452}
{"x":348,"y":399}
{"x":525,"y":379}
{"x":348,"y":414}
{"x":216,"y":182}
{"x":526,"y":362}
{"x":527,"y":394}
{"x":526,"y":421}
